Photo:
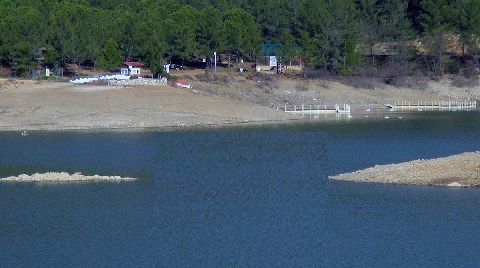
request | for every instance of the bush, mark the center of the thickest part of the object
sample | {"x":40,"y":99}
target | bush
{"x":453,"y":66}
{"x":361,"y":82}
{"x":470,"y":68}
{"x":260,"y":76}
{"x":302,"y":86}
{"x":217,"y":79}
{"x":171,"y":78}
{"x":464,"y":81}
{"x":266,"y":86}
{"x":324,"y":84}
{"x":345,"y":71}
{"x":321,"y":74}
{"x":413,"y":82}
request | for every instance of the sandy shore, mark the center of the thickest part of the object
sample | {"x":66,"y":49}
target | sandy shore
{"x":60,"y":177}
{"x":459,"y":170}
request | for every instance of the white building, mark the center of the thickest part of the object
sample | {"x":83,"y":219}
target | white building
{"x":132,"y":68}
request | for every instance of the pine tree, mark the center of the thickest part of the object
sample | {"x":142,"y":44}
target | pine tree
{"x":110,"y":56}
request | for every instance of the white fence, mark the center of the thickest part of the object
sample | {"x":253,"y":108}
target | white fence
{"x":100,"y":78}
{"x":434,"y":105}
{"x":316,"y":109}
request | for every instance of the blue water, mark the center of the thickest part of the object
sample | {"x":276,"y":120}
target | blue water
{"x":250,"y":197}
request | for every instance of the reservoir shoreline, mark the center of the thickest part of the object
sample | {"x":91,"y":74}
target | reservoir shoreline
{"x":57,"y":106}
{"x":462,"y":170}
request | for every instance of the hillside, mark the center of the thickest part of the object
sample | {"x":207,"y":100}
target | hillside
{"x":341,"y":37}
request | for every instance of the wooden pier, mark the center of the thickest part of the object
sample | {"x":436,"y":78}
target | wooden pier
{"x":317,"y":109}
{"x":467,"y":105}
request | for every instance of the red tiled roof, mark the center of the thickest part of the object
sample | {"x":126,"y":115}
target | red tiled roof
{"x":134,"y":64}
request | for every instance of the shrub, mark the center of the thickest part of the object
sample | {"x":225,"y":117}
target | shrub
{"x":302,"y":86}
{"x":361,"y":82}
{"x":464,"y":81}
{"x":413,"y":82}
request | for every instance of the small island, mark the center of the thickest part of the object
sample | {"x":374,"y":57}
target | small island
{"x":461,"y":170}
{"x":62,"y":177}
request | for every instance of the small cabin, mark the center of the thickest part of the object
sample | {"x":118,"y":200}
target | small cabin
{"x":132,"y":68}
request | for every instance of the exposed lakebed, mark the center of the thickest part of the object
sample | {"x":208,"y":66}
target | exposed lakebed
{"x":461,"y":170}
{"x":63,"y":177}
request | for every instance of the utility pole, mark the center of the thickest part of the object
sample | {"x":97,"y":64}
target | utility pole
{"x":215,"y":54}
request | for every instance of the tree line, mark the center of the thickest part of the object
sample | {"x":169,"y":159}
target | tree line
{"x":331,"y":35}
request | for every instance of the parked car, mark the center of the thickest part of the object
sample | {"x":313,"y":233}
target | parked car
{"x":177,"y":67}
{"x":183,"y":85}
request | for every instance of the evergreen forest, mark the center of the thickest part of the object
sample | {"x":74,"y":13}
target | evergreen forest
{"x":335,"y":36}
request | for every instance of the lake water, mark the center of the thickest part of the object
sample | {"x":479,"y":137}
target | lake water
{"x":250,"y":197}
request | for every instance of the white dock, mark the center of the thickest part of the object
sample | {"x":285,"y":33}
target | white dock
{"x":317,"y":109}
{"x":467,"y":105}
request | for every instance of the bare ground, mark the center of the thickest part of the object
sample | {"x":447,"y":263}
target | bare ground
{"x":226,"y":99}
{"x":29,"y":105}
{"x":277,"y":92}
{"x":63,"y":177}
{"x":459,"y":170}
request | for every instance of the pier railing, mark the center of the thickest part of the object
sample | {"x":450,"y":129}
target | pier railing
{"x":433,"y":105}
{"x":316,"y":109}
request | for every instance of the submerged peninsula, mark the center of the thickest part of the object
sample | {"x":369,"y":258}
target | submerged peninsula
{"x":461,"y":170}
{"x":61,"y":177}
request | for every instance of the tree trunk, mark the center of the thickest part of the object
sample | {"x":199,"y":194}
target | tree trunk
{"x":305,"y":72}
{"x":373,"y":56}
{"x":476,"y":59}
